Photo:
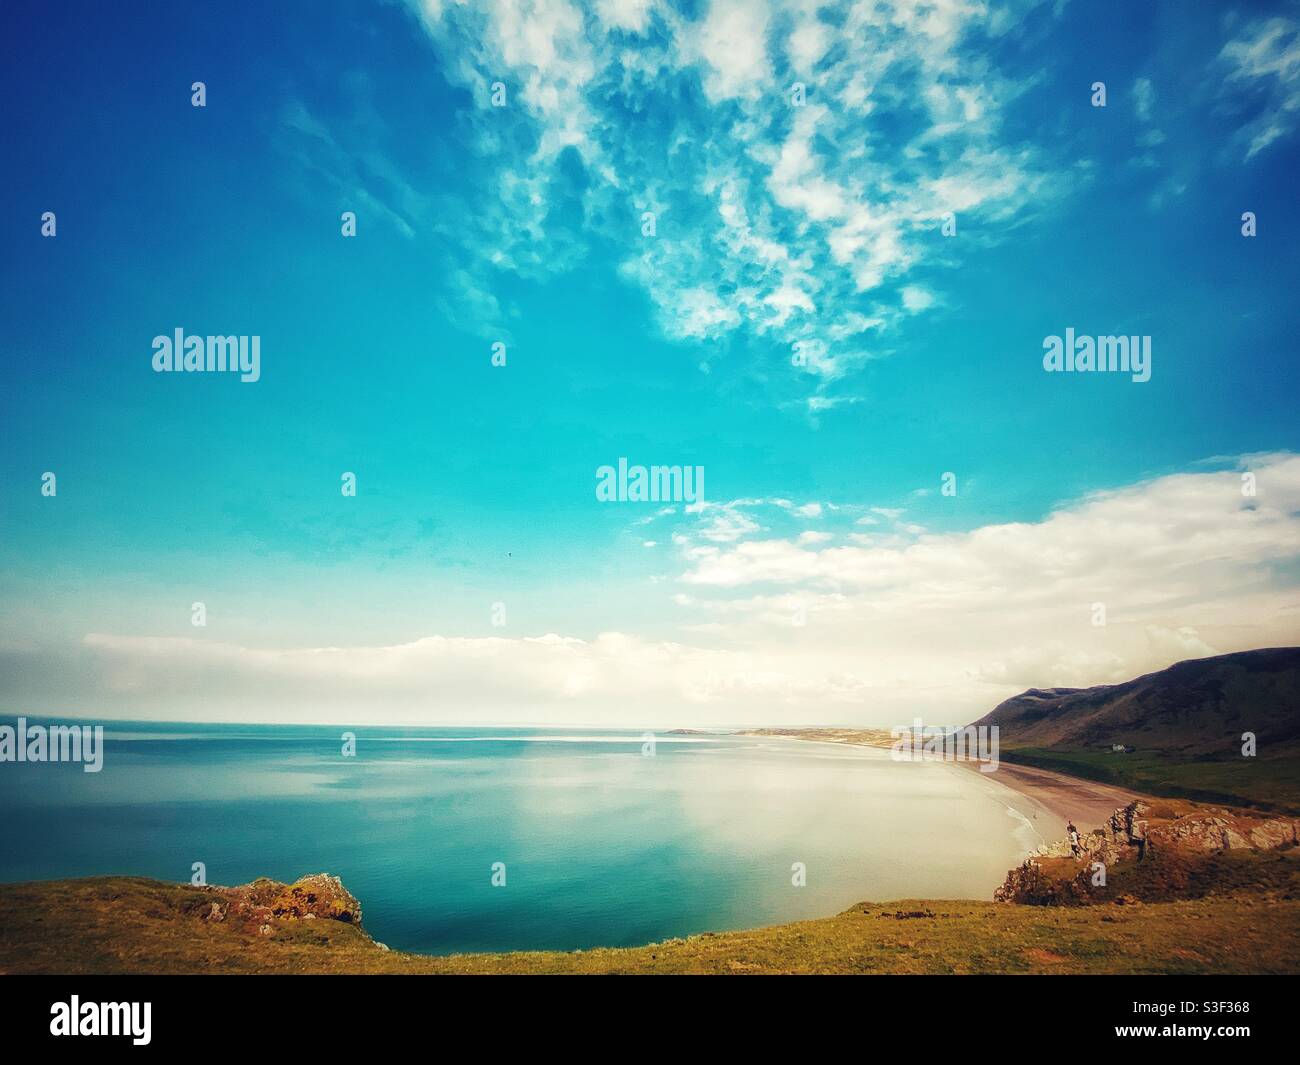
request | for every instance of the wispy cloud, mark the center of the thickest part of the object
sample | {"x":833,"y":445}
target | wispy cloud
{"x":1264,"y":60}
{"x":805,"y":225}
{"x":361,"y":174}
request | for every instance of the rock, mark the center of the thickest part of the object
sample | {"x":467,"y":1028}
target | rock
{"x":320,"y":895}
{"x":258,"y":905}
{"x":1175,"y":832}
{"x":1233,"y":841}
{"x":1276,"y":832}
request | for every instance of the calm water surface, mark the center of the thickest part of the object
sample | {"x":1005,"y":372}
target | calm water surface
{"x":602,"y":845}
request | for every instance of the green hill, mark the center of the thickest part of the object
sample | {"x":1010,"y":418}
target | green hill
{"x":1181,"y":729}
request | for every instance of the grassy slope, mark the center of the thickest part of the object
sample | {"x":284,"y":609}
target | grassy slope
{"x":1185,"y":723}
{"x":130,"y":924}
{"x":1263,"y":783}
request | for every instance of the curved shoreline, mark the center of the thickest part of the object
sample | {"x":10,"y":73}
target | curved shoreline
{"x":132,"y":924}
{"x":1086,"y":802}
{"x":1039,"y":800}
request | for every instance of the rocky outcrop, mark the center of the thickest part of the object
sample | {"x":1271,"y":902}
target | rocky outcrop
{"x":1175,"y":833}
{"x":259,"y":906}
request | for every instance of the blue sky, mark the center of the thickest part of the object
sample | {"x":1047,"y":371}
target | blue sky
{"x":775,"y":226}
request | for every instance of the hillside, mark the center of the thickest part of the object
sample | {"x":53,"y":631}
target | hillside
{"x":134,"y":925}
{"x":1182,"y":729}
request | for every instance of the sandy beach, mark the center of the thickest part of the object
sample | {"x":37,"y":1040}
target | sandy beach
{"x":1086,"y":802}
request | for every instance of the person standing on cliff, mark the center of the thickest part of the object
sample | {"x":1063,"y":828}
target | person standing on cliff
{"x":1138,"y":837}
{"x":1073,"y":834}
{"x":1135,"y":827}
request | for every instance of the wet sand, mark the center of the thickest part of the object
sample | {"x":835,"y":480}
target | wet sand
{"x":1086,"y":802}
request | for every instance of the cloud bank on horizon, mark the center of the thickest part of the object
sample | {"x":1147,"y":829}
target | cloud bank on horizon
{"x":871,"y":623}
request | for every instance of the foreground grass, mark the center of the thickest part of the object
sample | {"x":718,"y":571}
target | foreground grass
{"x":135,"y":925}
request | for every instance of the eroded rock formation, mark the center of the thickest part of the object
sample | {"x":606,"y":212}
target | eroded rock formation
{"x":1176,"y":833}
{"x":259,"y":905}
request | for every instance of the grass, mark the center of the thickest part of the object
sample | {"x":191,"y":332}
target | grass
{"x":1261,"y":783}
{"x":132,"y":925}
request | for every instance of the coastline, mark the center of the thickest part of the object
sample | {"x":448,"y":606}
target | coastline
{"x":133,"y":925}
{"x":1086,"y":802}
{"x":1135,"y":924}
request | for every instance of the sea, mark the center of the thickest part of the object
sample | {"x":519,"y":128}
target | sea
{"x":495,"y":839}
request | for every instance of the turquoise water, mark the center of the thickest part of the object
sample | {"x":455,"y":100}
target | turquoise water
{"x":602,"y":845}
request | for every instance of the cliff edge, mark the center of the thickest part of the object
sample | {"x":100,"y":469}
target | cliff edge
{"x":1158,"y":851}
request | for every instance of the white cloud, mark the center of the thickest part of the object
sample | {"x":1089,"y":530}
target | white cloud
{"x":795,"y":223}
{"x":631,"y":15}
{"x":731,"y":41}
{"x":916,"y":298}
{"x":1185,"y":564}
{"x":1144,"y":98}
{"x":1264,"y":58}
{"x":725,"y":524}
{"x":941,"y":624}
{"x":809,"y":41}
{"x":1168,"y":525}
